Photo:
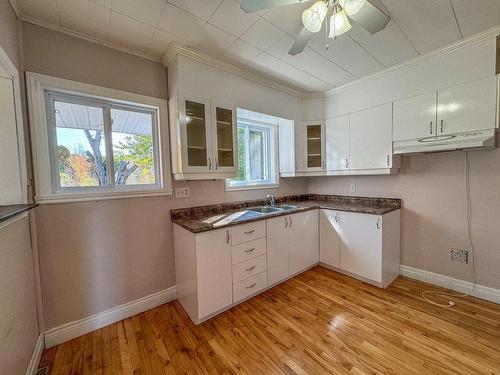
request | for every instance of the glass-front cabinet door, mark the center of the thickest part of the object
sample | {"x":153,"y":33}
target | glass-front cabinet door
{"x":196,"y":138}
{"x":224,"y":137}
{"x":315,"y":147}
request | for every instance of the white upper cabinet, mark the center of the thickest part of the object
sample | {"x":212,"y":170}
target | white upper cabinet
{"x":205,"y":131}
{"x":314,"y":141}
{"x":337,"y":143}
{"x":415,"y":117}
{"x":288,"y":164}
{"x":466,"y":107}
{"x":371,"y":138}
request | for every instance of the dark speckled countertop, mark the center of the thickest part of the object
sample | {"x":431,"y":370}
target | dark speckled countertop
{"x":8,"y":212}
{"x":193,"y":218}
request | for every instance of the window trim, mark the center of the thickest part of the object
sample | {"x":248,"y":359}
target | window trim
{"x":38,"y":87}
{"x":274,"y":152}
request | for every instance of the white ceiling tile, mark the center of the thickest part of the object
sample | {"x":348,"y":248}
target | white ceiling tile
{"x":389,"y":46}
{"x":346,"y":53}
{"x":475,"y":16}
{"x":231,"y":18}
{"x":44,"y":10}
{"x":160,"y":42}
{"x":85,"y":17}
{"x":429,"y":24}
{"x":147,"y":11}
{"x":130,"y":33}
{"x":241,"y":52}
{"x":180,"y":23}
{"x":200,"y":8}
{"x":287,"y":18}
{"x":310,"y":61}
{"x":212,"y":40}
{"x":262,"y":34}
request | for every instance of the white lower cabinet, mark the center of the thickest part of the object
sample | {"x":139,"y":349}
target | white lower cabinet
{"x":292,"y":244}
{"x":362,"y":245}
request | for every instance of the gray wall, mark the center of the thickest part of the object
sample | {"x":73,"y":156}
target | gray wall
{"x":18,"y":315}
{"x":97,"y":255}
{"x":433,"y":218}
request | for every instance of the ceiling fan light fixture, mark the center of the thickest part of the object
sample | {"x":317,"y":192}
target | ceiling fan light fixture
{"x":352,"y":7}
{"x":313,"y":17}
{"x":339,"y":24}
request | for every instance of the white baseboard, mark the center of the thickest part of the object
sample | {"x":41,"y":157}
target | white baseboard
{"x":457,"y":285}
{"x":69,"y":331}
{"x":36,"y":355}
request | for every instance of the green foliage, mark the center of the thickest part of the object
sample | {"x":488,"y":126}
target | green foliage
{"x":240,"y":174}
{"x":137,"y":150}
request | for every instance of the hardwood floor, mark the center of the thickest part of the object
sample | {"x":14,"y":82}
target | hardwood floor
{"x":318,"y":322}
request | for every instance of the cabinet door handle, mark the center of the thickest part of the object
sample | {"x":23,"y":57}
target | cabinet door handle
{"x":378,"y":223}
{"x":388,"y":160}
{"x":346,"y":163}
{"x":286,"y":222}
{"x":227,"y":236}
{"x":290,"y":221}
{"x":442,"y":126}
{"x":216,"y":164}
{"x":250,"y":269}
{"x":296,"y":166}
{"x":251,"y":286}
{"x":430,"y":128}
{"x":336,"y":218}
{"x":250,"y":231}
{"x":209,"y":164}
{"x":250,"y":250}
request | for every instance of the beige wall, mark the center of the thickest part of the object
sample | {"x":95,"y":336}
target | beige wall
{"x":433,"y":217}
{"x":18,"y":307}
{"x":97,"y":255}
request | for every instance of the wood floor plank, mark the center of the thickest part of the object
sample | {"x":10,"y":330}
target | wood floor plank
{"x":318,"y":322}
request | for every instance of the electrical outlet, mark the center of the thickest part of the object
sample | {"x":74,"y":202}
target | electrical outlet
{"x":182,"y":192}
{"x":459,"y":255}
{"x":353,"y":188}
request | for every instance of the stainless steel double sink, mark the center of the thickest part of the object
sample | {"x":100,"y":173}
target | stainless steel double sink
{"x":271,"y":209}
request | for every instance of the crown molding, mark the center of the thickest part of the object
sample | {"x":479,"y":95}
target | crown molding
{"x":76,"y":34}
{"x":474,"y":39}
{"x":15,"y":8}
{"x":177,"y":49}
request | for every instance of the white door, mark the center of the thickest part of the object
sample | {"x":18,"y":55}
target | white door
{"x":223,"y":136}
{"x":277,"y":249}
{"x":361,"y":244}
{"x":469,"y":106}
{"x":329,"y":240}
{"x":371,"y":138}
{"x":314,"y":143}
{"x":196,"y":134}
{"x":415,"y":117}
{"x":304,"y":240}
{"x":11,"y":190}
{"x":213,"y":270}
{"x":337,"y":143}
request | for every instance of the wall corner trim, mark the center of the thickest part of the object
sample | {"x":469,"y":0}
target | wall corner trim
{"x":71,"y":330}
{"x":36,"y":355}
{"x":457,"y":285}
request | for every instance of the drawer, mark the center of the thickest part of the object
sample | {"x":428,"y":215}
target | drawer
{"x":248,"y":232}
{"x":248,"y":250}
{"x":250,"y":286}
{"x":252,"y":267}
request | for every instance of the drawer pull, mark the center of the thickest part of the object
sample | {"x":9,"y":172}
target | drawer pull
{"x":251,"y":286}
{"x":250,"y":231}
{"x":250,"y":250}
{"x":250,"y":269}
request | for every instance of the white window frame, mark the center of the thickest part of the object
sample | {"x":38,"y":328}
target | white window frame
{"x":42,"y":134}
{"x":273,"y":182}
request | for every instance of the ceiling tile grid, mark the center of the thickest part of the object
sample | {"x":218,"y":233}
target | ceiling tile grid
{"x":261,"y":40}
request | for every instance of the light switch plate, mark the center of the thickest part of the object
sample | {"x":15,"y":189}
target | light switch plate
{"x":182,"y":192}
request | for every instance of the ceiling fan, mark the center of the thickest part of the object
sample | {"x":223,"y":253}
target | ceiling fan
{"x":362,"y":12}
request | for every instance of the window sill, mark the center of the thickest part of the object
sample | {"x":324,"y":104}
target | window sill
{"x":100,"y":196}
{"x":251,"y":187}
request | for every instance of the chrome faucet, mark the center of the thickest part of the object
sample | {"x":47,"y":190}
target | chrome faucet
{"x":271,"y":198}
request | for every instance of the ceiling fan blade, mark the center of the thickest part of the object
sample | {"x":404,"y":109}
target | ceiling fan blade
{"x":371,"y":18}
{"x":301,"y":42}
{"x":255,"y":5}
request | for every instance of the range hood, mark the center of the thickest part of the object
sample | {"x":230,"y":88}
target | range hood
{"x":476,"y":139}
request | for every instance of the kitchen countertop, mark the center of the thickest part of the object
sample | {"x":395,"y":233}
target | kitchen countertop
{"x":193,"y":218}
{"x":8,"y":212}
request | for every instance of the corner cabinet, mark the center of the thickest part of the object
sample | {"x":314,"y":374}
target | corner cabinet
{"x":202,"y":137}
